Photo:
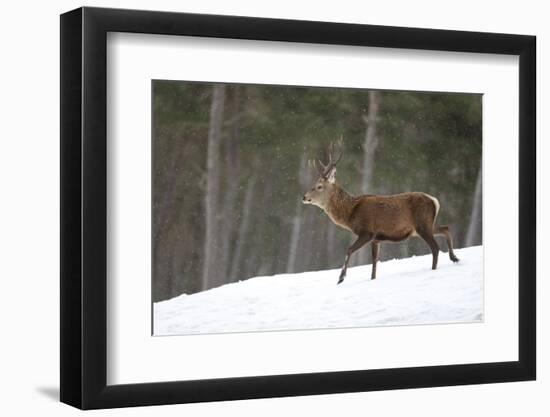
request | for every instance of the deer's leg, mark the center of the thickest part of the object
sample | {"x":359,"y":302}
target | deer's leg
{"x":444,"y":231}
{"x":430,"y":240}
{"x":360,"y":241}
{"x":375,"y":246}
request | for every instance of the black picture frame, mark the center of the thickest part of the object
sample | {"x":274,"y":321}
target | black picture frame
{"x":84,"y":207}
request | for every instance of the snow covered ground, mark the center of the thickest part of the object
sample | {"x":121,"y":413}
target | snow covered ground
{"x":406,"y":291}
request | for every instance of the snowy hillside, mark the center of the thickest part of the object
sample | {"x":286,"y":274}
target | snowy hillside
{"x":406,"y":291}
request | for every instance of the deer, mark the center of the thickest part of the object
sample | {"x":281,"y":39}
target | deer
{"x":376,"y":218}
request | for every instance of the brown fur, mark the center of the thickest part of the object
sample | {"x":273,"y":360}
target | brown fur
{"x":379,"y":218}
{"x":392,"y":217}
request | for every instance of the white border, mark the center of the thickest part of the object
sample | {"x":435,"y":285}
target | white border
{"x":134,"y":356}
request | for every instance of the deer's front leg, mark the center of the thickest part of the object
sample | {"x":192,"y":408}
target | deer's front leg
{"x":359,"y":242}
{"x":375,"y":254}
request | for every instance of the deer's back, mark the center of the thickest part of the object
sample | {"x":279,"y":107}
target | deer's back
{"x":393,"y":217}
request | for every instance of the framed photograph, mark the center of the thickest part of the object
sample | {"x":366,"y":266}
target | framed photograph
{"x":258,"y":208}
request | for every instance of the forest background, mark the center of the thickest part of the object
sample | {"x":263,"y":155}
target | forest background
{"x":230,"y":166}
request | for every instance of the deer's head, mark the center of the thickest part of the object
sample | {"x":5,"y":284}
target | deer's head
{"x":321,"y":191}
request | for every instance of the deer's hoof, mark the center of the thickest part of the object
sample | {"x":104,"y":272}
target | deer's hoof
{"x":340,"y":281}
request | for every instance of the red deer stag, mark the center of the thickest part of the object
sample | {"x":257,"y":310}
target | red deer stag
{"x":377,"y":218}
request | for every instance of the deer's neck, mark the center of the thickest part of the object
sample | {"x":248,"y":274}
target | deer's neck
{"x":340,"y":207}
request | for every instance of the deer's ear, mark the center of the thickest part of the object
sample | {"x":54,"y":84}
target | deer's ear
{"x":331,"y":177}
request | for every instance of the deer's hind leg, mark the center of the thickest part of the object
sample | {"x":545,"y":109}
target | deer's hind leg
{"x":444,"y":231}
{"x":434,"y":247}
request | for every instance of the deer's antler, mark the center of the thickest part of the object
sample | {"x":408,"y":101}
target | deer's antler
{"x":331,"y":161}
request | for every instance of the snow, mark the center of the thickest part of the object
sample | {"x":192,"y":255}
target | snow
{"x":405,"y":292}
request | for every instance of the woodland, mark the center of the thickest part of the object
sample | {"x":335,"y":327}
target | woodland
{"x":231,"y":163}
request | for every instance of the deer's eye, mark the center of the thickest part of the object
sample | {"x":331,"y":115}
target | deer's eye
{"x":319,"y":187}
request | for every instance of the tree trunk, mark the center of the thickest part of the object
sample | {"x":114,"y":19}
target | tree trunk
{"x":294,"y":238}
{"x":259,"y":246}
{"x":296,"y":221}
{"x":369,"y":150}
{"x":332,"y":251}
{"x":164,"y":215}
{"x":210,"y":277}
{"x":243,"y":229}
{"x":473,"y":236}
{"x":371,"y":142}
{"x":304,"y":251}
{"x":227,"y":232}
